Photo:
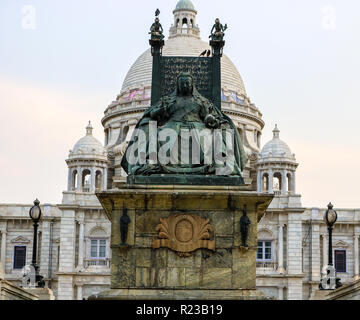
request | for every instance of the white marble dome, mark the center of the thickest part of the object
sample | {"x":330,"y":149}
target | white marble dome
{"x":88,"y":146}
{"x":140,"y":73}
{"x":185,"y":5}
{"x":276,"y":148}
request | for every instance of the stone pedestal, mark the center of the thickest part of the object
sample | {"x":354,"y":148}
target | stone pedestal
{"x":183,"y":242}
{"x":9,"y":291}
{"x":42,"y":293}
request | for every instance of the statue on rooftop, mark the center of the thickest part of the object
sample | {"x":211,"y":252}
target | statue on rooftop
{"x":157,"y":30}
{"x":217,"y":31}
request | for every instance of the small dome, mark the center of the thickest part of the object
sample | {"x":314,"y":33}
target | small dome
{"x":88,"y":146}
{"x":276,"y":148}
{"x":185,"y":5}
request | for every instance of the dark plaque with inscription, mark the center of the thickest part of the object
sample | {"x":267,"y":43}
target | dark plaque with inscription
{"x":199,"y":68}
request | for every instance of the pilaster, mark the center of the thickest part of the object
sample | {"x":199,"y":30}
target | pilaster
{"x":356,"y":257}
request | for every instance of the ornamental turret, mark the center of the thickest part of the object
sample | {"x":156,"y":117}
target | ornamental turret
{"x":87,"y":164}
{"x":276,"y":167}
{"x":185,"y":20}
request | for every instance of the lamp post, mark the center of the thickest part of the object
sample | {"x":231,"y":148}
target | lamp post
{"x":330,"y":218}
{"x":330,"y":281}
{"x":35,"y":215}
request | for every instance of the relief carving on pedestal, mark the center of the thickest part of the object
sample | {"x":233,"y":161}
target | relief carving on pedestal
{"x":184,"y":234}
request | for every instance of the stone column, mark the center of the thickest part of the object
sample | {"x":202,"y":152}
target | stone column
{"x":81,"y":245}
{"x":283,"y":182}
{"x":79,"y":179}
{"x":67,"y":255}
{"x":315,"y":253}
{"x":45,"y":249}
{"x":271,"y":181}
{"x":281,"y":249}
{"x":280,"y":293}
{"x":93,"y":180}
{"x":325,"y":250}
{"x":3,"y":248}
{"x":105,"y":179}
{"x":67,"y":241}
{"x":79,"y":292}
{"x":259,"y":182}
{"x":293,"y":189}
{"x":69,"y":180}
{"x":356,"y":257}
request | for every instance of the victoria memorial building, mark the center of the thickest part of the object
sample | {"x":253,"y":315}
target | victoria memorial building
{"x":74,"y":236}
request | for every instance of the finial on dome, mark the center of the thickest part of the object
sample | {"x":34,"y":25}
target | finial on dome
{"x":89,"y":129}
{"x":276,"y":132}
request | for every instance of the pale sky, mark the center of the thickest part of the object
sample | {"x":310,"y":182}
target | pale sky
{"x":63,"y":65}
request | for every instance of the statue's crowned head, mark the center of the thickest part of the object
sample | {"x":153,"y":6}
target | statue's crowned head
{"x":217,"y":21}
{"x":185,"y":83}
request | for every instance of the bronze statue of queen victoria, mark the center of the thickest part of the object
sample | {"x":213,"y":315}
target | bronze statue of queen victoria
{"x":184,"y":112}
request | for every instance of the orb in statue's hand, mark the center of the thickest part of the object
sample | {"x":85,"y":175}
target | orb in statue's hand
{"x":211,"y":121}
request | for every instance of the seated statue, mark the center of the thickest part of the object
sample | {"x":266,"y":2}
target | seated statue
{"x":184,"y":133}
{"x":156,"y":30}
{"x":217,"y":31}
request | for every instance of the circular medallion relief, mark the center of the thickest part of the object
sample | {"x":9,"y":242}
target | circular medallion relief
{"x":184,"y":231}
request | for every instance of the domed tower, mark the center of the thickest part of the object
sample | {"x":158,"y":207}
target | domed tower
{"x":122,"y":115}
{"x":276,"y":167}
{"x":87,"y":164}
{"x":185,"y":20}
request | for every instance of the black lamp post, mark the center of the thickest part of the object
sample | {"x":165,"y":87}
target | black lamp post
{"x":330,"y":219}
{"x":35,"y":215}
{"x":330,"y":281}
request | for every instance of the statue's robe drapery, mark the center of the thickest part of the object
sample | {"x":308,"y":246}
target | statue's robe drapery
{"x":190,"y":116}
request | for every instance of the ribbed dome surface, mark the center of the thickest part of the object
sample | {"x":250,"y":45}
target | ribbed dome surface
{"x":185,"y":5}
{"x":88,"y":145}
{"x":140,"y":73}
{"x":276,"y":148}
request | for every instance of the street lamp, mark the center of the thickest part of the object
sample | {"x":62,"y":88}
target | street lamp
{"x":330,"y":218}
{"x":330,"y":281}
{"x":35,"y":215}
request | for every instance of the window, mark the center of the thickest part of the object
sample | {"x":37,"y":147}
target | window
{"x":264,"y":251}
{"x":98,"y":249}
{"x":19,"y":257}
{"x":340,"y":260}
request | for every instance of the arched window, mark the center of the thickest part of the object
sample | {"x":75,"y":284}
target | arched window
{"x":265,"y":182}
{"x":74,"y":180}
{"x":264,"y":257}
{"x":98,"y":250}
{"x":98,"y":180}
{"x":177,"y":22}
{"x":185,"y":23}
{"x":191,"y":23}
{"x":86,"y":180}
{"x":277,"y":182}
